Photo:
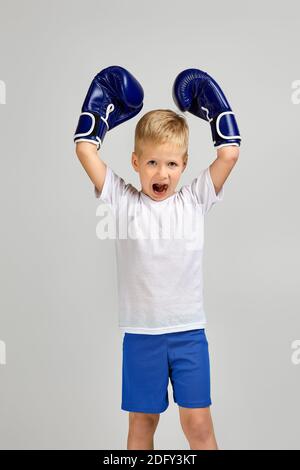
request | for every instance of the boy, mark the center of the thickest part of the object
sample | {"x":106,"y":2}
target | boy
{"x":159,"y":255}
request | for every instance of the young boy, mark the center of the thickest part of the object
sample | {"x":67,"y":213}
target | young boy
{"x":159,"y":244}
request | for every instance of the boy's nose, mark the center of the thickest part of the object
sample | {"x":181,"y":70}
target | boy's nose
{"x":162,"y":173}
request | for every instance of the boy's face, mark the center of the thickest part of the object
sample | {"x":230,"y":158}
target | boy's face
{"x":160,"y":164}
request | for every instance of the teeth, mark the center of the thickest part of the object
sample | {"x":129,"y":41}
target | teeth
{"x":160,"y":187}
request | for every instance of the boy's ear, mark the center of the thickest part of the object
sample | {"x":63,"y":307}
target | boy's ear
{"x":134,"y":160}
{"x":185,"y":160}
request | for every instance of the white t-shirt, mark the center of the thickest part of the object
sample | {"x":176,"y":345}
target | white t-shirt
{"x":159,"y":249}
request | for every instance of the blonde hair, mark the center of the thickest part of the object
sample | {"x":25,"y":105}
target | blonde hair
{"x":160,"y":126}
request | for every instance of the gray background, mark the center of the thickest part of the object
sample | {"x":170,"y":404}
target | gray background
{"x":61,"y":385}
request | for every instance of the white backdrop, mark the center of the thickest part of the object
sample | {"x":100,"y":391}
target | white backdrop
{"x":60,"y":381}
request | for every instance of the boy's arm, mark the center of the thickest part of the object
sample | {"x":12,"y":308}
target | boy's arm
{"x":197,"y":92}
{"x":222,"y":166}
{"x":89,"y":158}
{"x":114,"y":96}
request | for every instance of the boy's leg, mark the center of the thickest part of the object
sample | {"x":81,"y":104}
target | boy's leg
{"x":142,"y":427}
{"x":190,"y":376}
{"x":198,"y":428}
{"x":144,"y":386}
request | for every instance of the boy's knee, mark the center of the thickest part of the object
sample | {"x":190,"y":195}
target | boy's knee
{"x":143,"y":421}
{"x":198,"y":429}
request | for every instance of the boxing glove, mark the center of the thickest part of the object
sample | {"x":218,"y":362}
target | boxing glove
{"x":195,"y":91}
{"x":113,"y":97}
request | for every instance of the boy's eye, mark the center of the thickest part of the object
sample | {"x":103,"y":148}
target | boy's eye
{"x":170,"y":163}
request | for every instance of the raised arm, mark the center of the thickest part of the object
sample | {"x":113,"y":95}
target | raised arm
{"x":221,"y":167}
{"x":197,"y":92}
{"x":113,"y":97}
{"x":89,"y":158}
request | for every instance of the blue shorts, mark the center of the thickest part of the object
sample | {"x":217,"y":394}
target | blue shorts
{"x":149,"y":361}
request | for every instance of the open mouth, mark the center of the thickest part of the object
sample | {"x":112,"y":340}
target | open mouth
{"x":159,"y":189}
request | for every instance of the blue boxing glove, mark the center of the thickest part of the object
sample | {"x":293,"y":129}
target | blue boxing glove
{"x":113,"y":97}
{"x":195,"y":91}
